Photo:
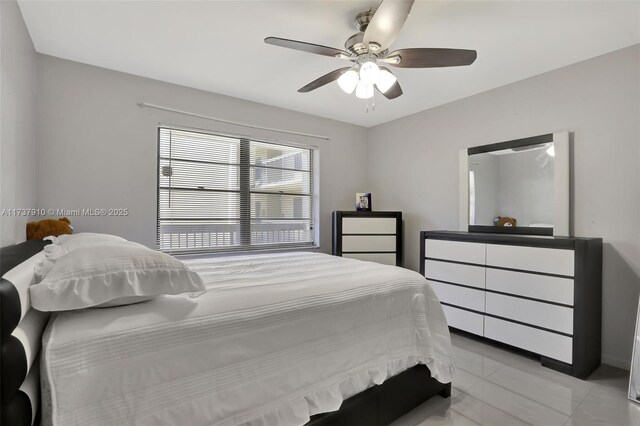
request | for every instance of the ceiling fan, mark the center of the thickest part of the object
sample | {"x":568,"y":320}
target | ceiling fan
{"x":368,"y":50}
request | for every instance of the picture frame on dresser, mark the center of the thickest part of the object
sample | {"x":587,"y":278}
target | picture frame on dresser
{"x":539,"y":294}
{"x":363,"y":202}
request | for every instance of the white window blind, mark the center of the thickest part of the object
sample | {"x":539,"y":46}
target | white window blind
{"x":220,"y":193}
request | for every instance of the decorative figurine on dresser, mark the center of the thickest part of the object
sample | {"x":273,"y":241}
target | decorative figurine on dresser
{"x":528,"y":285}
{"x":367,"y":235}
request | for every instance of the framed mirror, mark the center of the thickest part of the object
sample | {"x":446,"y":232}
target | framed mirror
{"x":519,"y":186}
{"x":634,"y":375}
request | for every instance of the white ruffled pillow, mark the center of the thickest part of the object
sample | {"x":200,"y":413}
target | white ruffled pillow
{"x":112,"y":274}
{"x":52,"y":252}
{"x":66,"y":243}
{"x":71,"y":242}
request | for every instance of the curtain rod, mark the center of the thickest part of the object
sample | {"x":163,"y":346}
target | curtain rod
{"x":220,"y":120}
{"x":236,"y":135}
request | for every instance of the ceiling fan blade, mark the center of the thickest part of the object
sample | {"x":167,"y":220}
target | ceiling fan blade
{"x":431,"y":58}
{"x":308,"y":47}
{"x":393,"y":92}
{"x":386,"y":23}
{"x":327,"y":78}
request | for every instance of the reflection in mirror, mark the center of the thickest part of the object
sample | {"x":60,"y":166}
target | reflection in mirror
{"x":516,"y":182}
{"x":634,"y":378}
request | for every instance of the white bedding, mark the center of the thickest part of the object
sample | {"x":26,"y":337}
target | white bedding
{"x":276,"y":339}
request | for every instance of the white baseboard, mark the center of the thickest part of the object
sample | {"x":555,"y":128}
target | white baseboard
{"x":616,"y":361}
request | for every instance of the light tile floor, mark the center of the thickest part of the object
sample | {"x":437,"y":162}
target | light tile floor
{"x":495,"y":387}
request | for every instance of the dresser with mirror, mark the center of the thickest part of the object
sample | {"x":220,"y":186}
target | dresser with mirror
{"x":523,"y":281}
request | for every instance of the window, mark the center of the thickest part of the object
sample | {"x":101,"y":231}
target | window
{"x":220,"y":193}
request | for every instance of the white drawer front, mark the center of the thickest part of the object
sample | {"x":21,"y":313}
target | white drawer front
{"x":542,"y":314}
{"x":460,"y":296}
{"x":532,"y":339}
{"x":454,"y":273}
{"x":553,"y":289}
{"x":455,"y":250}
{"x":368,"y":225}
{"x":551,"y":261}
{"x":464,"y":320}
{"x":368,"y":243}
{"x":384,"y":258}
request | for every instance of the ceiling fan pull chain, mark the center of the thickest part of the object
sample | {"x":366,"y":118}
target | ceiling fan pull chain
{"x":373,"y":104}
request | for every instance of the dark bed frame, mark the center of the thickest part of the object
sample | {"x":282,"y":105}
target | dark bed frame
{"x":382,"y":404}
{"x":15,"y":405}
{"x":378,"y":405}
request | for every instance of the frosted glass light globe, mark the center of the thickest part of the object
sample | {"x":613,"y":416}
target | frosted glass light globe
{"x":363,"y":90}
{"x":385,"y":80}
{"x":369,"y":72}
{"x":348,"y":81}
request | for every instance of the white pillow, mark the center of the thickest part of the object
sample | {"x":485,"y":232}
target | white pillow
{"x":71,"y":242}
{"x":104,"y":273}
{"x":52,"y":252}
{"x":66,"y":243}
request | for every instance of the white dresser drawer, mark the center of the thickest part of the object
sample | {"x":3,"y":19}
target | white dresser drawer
{"x":455,"y":250}
{"x":464,"y":320}
{"x":532,"y":339}
{"x":551,"y":261}
{"x":369,"y":225}
{"x":455,"y":273}
{"x":544,"y":287}
{"x":384,"y":258}
{"x":553,"y":317}
{"x":368,"y":243}
{"x":459,"y":296}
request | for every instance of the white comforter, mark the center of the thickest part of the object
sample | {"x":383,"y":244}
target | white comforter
{"x":276,"y":339}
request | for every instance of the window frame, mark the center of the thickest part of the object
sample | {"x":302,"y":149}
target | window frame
{"x":245,"y":192}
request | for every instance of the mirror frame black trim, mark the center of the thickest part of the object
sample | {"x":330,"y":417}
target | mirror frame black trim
{"x":562,"y":184}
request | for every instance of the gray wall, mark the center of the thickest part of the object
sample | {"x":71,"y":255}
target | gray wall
{"x":414,"y":166}
{"x":17,"y":118}
{"x":97,"y":148}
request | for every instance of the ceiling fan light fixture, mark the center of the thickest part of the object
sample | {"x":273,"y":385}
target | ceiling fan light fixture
{"x":385,"y":80}
{"x":392,"y":60}
{"x":369,"y":73}
{"x":374,"y":47}
{"x":348,"y":81}
{"x":364,"y":90}
{"x":368,"y":52}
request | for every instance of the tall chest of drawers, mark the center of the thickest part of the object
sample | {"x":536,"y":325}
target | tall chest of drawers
{"x":540,"y":294}
{"x":372,"y":236}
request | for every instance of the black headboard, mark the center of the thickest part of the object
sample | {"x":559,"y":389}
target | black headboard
{"x":20,"y":340}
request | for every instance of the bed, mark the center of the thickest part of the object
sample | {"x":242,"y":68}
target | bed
{"x":296,"y":338}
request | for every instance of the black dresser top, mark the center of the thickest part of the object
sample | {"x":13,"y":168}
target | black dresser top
{"x":364,"y":213}
{"x":512,"y":239}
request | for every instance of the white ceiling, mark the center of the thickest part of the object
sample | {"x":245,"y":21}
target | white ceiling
{"x":218,"y":46}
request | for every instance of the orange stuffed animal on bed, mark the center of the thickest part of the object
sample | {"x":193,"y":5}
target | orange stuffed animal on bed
{"x":44,"y":228}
